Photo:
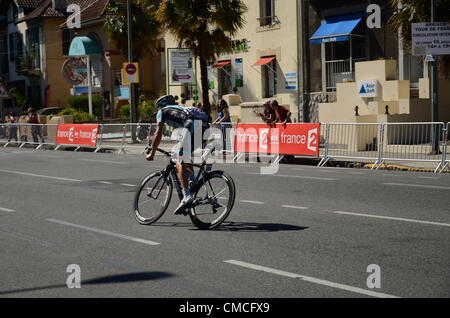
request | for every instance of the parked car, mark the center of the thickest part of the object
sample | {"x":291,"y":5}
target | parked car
{"x":49,"y":111}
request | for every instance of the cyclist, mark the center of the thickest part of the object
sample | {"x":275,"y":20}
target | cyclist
{"x":179,"y":117}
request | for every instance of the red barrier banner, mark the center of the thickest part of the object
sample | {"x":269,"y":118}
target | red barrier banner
{"x":77,"y":134}
{"x":294,"y":139}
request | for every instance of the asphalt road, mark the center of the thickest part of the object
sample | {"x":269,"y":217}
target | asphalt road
{"x":303,"y":232}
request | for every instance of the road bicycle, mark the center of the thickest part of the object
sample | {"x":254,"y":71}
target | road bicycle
{"x":213,"y":193}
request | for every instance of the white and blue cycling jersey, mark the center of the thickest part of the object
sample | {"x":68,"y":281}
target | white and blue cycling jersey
{"x":179,"y":116}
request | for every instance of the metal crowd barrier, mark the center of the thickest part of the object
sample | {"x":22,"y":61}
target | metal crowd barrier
{"x":387,"y":142}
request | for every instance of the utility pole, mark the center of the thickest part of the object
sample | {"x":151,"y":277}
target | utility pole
{"x":130,"y":60}
{"x":434,"y":90}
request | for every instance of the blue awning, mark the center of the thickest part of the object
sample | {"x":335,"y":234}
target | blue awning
{"x":337,"y":28}
{"x":83,"y":45}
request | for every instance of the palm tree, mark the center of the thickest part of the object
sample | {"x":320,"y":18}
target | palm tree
{"x":415,"y":11}
{"x":204,"y":26}
{"x":145,"y":29}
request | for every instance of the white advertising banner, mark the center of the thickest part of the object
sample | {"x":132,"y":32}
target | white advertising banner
{"x":430,"y":38}
{"x":181,"y":66}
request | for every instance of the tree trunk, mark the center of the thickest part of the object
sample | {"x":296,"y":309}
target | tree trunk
{"x":205,"y":85}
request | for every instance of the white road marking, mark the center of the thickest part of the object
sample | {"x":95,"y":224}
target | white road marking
{"x":431,"y":178}
{"x":128,"y":185}
{"x":105,"y":161}
{"x":254,"y":202}
{"x":358,"y":173}
{"x":130,"y":238}
{"x":6,"y":210}
{"x":295,"y":207}
{"x":392,"y":218}
{"x":105,"y":182}
{"x":390,"y":175}
{"x":311,"y":279}
{"x":418,"y":186}
{"x":39,"y":175}
{"x":291,"y":176}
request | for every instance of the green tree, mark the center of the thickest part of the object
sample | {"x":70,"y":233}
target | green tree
{"x":204,"y":26}
{"x":407,"y":12}
{"x":145,"y":29}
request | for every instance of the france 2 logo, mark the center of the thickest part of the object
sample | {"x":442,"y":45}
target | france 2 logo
{"x":94,"y":135}
{"x":263,"y":138}
{"x":313,"y":140}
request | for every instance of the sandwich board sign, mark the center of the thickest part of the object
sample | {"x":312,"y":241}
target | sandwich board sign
{"x":4,"y":92}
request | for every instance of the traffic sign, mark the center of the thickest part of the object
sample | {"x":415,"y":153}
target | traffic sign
{"x":130,"y":73}
{"x":4,"y":92}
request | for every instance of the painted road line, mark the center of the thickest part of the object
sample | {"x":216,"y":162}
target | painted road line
{"x":6,"y":209}
{"x":311,"y":279}
{"x":254,"y":202}
{"x":128,"y":185}
{"x":295,"y":207}
{"x":291,"y":176}
{"x":105,"y":182}
{"x":417,"y":186}
{"x":105,"y":161}
{"x":39,"y":175}
{"x":87,"y":228}
{"x":431,"y":178}
{"x":391,"y":218}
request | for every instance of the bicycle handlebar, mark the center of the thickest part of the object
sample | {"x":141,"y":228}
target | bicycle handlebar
{"x":148,"y":149}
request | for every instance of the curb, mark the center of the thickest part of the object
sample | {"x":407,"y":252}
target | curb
{"x":403,"y":168}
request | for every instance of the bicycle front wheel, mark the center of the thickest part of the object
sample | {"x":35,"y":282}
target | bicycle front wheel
{"x":152,"y":198}
{"x":213,"y":200}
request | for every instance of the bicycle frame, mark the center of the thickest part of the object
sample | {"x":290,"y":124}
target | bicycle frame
{"x":172,"y":171}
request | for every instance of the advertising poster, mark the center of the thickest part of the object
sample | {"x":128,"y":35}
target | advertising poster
{"x":181,"y":67}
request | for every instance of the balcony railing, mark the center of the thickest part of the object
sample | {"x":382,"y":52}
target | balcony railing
{"x":339,"y":71}
{"x":28,"y":65}
{"x":270,"y":20}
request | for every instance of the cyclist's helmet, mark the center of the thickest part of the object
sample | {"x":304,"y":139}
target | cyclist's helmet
{"x":164,"y":101}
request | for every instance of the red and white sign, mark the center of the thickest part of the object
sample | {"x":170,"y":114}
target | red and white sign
{"x":130,"y":73}
{"x":4,"y":92}
{"x":294,"y":139}
{"x":77,"y":134}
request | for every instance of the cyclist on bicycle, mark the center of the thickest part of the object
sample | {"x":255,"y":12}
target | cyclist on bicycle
{"x":179,"y":117}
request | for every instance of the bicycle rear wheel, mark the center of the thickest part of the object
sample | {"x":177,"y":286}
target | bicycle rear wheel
{"x":152,"y":198}
{"x":213,"y":200}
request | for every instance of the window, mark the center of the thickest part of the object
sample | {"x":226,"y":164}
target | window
{"x":270,"y":79}
{"x":33,"y":46}
{"x":3,"y":54}
{"x":11,"y":47}
{"x":15,"y":46}
{"x":267,"y":12}
{"x":224,"y":77}
{"x":66,"y":37}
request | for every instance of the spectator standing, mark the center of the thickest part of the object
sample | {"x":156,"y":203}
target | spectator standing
{"x":36,"y":130}
{"x":224,"y":120}
{"x":23,"y":127}
{"x":12,"y":120}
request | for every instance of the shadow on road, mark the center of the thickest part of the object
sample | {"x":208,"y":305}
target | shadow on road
{"x":239,"y":227}
{"x":122,"y":278}
{"x":258,"y":227}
